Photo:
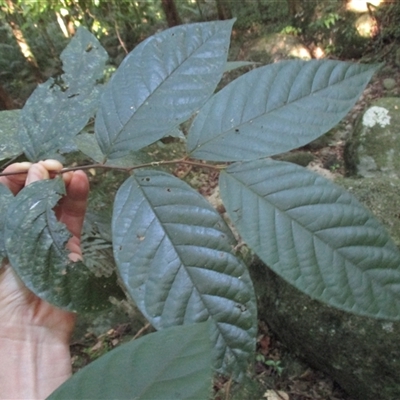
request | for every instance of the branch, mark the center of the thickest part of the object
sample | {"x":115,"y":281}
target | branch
{"x":129,"y":169}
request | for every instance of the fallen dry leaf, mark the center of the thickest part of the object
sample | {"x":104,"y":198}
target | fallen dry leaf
{"x":276,"y":395}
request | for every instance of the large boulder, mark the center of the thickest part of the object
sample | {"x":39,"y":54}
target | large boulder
{"x":374,"y":148}
{"x":362,"y":354}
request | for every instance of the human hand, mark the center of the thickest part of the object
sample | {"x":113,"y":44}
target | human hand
{"x":25,"y":319}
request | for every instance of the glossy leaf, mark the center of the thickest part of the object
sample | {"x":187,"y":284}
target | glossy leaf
{"x":172,"y":364}
{"x":315,"y":235}
{"x":174,"y":254}
{"x":35,"y":245}
{"x":9,"y":144}
{"x":6,"y":198}
{"x":160,"y":84}
{"x":60,"y":108}
{"x":276,"y":108}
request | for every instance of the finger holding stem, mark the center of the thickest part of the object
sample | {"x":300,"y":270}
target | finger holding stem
{"x":16,"y":182}
{"x":70,"y":209}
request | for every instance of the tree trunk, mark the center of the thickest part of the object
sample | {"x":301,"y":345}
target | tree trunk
{"x":21,"y":41}
{"x":294,"y":7}
{"x":6,"y":102}
{"x":224,"y":9}
{"x":171,"y":13}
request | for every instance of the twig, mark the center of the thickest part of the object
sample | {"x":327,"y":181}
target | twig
{"x":228,"y":386}
{"x":141,"y":331}
{"x":128,"y":169}
{"x":120,"y":39}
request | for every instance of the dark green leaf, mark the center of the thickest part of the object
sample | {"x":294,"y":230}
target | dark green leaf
{"x":59,"y":109}
{"x":6,"y":198}
{"x":83,"y":61}
{"x":9,"y":144}
{"x":87,"y":144}
{"x":160,"y":84}
{"x":174,"y":254}
{"x":315,"y":235}
{"x":276,"y":108}
{"x":35,"y":244}
{"x":172,"y":364}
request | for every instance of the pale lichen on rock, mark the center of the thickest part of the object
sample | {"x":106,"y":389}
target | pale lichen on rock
{"x":376,"y":115}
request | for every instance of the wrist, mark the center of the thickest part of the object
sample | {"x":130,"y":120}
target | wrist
{"x":33,"y":364}
{"x":34,"y":342}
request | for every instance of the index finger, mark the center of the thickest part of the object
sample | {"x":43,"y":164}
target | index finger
{"x":15,"y":182}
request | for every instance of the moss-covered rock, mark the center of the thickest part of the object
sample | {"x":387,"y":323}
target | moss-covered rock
{"x":361,"y":354}
{"x":381,"y":196}
{"x":374,"y":147}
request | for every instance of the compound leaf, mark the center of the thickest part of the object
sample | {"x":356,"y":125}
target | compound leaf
{"x":9,"y":144}
{"x":276,"y":108}
{"x":160,"y":84}
{"x":41,"y":261}
{"x":174,"y":254}
{"x":171,"y":364}
{"x":315,"y":235}
{"x":60,"y":108}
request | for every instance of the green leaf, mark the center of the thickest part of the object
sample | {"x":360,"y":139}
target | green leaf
{"x":315,"y":235}
{"x":83,"y":61}
{"x":6,"y":198}
{"x":174,"y":254}
{"x":160,"y":84}
{"x":59,"y":109}
{"x":87,"y":144}
{"x":9,"y":144}
{"x":35,"y":245}
{"x":276,"y":108}
{"x":172,"y":364}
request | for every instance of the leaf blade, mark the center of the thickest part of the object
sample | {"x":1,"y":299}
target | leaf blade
{"x":276,"y":108}
{"x":174,"y":363}
{"x":6,"y":197}
{"x":163,"y":81}
{"x":315,"y":235}
{"x":174,"y":254}
{"x":59,"y":109}
{"x":42,"y":262}
{"x":10,"y":146}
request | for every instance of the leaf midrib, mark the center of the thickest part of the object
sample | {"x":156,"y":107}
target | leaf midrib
{"x":182,"y":265}
{"x":312,"y":233}
{"x":226,"y":133}
{"x":121,"y":130}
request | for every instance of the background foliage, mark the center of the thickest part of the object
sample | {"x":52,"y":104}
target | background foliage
{"x":34,"y":33}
